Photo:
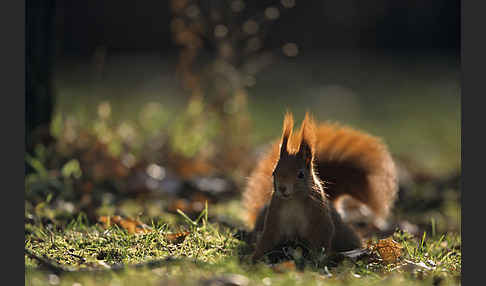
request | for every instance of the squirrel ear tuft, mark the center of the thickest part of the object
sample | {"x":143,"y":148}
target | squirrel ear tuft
{"x":288,"y":125}
{"x":307,"y":138}
{"x":305,"y":151}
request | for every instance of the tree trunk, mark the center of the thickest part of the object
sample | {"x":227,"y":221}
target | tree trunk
{"x":39,"y":103}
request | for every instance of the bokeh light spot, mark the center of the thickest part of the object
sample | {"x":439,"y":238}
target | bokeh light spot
{"x":288,"y":3}
{"x":104,"y":110}
{"x":220,"y":31}
{"x":254,"y":44}
{"x":192,"y":12}
{"x":272,"y":13}
{"x":250,"y":27}
{"x":155,"y":171}
{"x":290,"y":49}
{"x":237,"y":6}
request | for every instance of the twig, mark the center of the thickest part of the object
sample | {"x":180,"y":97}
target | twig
{"x":50,"y":264}
{"x":58,"y":269}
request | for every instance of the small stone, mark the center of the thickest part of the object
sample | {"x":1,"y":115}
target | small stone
{"x":53,"y":279}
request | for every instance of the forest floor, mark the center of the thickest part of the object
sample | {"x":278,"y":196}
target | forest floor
{"x":103,"y":207}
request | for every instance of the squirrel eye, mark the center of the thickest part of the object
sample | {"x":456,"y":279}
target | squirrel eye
{"x":300,"y":175}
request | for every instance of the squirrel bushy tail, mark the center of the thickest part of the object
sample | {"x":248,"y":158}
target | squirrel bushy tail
{"x":349,"y":162}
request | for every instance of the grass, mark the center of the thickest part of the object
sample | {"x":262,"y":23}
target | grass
{"x":212,"y":250}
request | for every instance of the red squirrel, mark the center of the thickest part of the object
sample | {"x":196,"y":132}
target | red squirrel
{"x":294,"y":189}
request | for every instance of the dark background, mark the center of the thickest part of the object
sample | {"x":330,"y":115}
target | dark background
{"x":382,"y":26}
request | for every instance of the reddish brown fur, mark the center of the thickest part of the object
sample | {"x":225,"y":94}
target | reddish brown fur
{"x":348,"y":161}
{"x":357,"y":164}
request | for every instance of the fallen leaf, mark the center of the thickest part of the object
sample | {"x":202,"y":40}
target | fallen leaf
{"x":131,"y":225}
{"x":191,"y":207}
{"x":181,"y":204}
{"x":177,"y":238}
{"x":389,"y":250}
{"x":87,"y":187}
{"x":284,"y":266}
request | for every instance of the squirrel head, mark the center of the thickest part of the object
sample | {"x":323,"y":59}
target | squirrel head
{"x":294,"y":171}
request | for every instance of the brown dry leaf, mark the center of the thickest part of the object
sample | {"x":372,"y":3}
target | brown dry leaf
{"x":177,"y":238}
{"x":389,"y":250}
{"x":119,"y":170}
{"x":284,"y":266}
{"x":131,"y":225}
{"x":181,"y":204}
{"x":198,"y":201}
{"x":369,"y":244}
{"x":198,"y":197}
{"x":87,"y":187}
{"x":192,"y":206}
{"x":178,"y":5}
{"x":188,"y":168}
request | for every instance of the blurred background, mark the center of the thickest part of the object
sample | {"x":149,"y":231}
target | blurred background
{"x":171,"y":102}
